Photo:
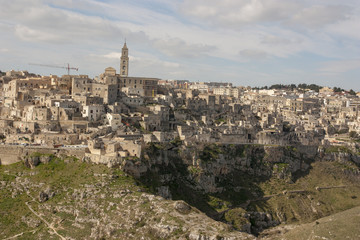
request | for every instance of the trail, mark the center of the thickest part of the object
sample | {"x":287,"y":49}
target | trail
{"x":20,"y":234}
{"x":44,"y":220}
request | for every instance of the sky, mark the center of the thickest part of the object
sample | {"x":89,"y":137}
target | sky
{"x":245,"y":42}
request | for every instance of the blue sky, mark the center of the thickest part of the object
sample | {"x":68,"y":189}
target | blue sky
{"x":246,"y":42}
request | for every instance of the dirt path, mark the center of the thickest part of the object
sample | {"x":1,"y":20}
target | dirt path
{"x":44,"y":220}
{"x":20,"y":234}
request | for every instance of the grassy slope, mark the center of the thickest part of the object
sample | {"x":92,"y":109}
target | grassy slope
{"x":132,"y":214}
{"x":343,"y":225}
{"x":59,"y":176}
{"x":312,"y":204}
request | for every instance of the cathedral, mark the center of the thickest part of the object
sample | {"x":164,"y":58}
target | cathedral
{"x":110,"y":85}
{"x":140,"y":85}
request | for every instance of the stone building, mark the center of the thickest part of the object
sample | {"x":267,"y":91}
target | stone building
{"x":124,"y":61}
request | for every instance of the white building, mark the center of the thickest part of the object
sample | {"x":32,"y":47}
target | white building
{"x":93,"y":112}
{"x":113,"y":120}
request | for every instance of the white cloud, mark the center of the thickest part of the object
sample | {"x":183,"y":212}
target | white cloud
{"x":253,"y":54}
{"x":320,"y":15}
{"x":112,"y":55}
{"x":152,"y":62}
{"x":235,"y":14}
{"x":28,"y":34}
{"x":176,"y":47}
{"x":196,"y":39}
{"x":338,"y":67}
{"x":346,"y":29}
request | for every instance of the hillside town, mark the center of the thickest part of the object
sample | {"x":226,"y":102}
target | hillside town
{"x":114,"y":115}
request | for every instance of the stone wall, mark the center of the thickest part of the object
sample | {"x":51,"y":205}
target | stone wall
{"x":11,"y":154}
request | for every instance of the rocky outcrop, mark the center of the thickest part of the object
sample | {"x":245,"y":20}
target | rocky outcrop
{"x":182,"y":207}
{"x":223,"y":170}
{"x":47,"y":194}
{"x":100,"y":203}
{"x":33,"y":160}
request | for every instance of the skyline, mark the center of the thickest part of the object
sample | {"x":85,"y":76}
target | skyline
{"x":250,"y":42}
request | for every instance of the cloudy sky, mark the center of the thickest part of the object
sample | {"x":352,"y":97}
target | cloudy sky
{"x":246,"y":42}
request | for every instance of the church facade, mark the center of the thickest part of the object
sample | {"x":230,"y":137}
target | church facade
{"x":147,"y":86}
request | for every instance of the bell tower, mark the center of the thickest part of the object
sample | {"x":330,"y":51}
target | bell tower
{"x":124,"y":61}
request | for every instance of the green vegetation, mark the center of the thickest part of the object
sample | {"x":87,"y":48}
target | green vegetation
{"x":176,"y":142}
{"x":210,"y":153}
{"x":303,"y":86}
{"x":337,"y":89}
{"x":236,"y":218}
{"x":63,"y":178}
{"x":194,"y":170}
{"x":313,"y":87}
{"x":218,"y":204}
{"x":282,"y":86}
{"x":220,"y":120}
{"x":352,"y":92}
{"x":241,"y":182}
{"x":343,"y":225}
{"x":337,"y":149}
{"x":153,"y":148}
{"x":295,"y":207}
{"x":280,"y":166}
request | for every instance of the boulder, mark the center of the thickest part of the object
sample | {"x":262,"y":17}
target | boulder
{"x":46,"y":195}
{"x":182,"y":207}
{"x":43,"y":197}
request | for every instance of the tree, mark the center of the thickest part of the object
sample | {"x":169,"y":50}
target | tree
{"x":337,"y":89}
{"x":352,"y":92}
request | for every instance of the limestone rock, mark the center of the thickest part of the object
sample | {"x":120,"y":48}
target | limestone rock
{"x":46,"y":195}
{"x":182,"y":207}
{"x":31,"y":162}
{"x":31,"y":222}
{"x":164,"y":192}
{"x":43,"y":197}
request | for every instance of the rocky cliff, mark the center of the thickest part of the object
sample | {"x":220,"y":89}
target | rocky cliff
{"x":177,"y":191}
{"x":248,"y":183}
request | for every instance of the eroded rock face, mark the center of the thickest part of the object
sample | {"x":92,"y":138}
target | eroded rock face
{"x":32,"y":162}
{"x":164,"y":191}
{"x":43,"y":197}
{"x":182,"y":207}
{"x":31,"y":221}
{"x":261,"y":221}
{"x":45,"y":158}
{"x":221,"y":169}
{"x":47,"y":194}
